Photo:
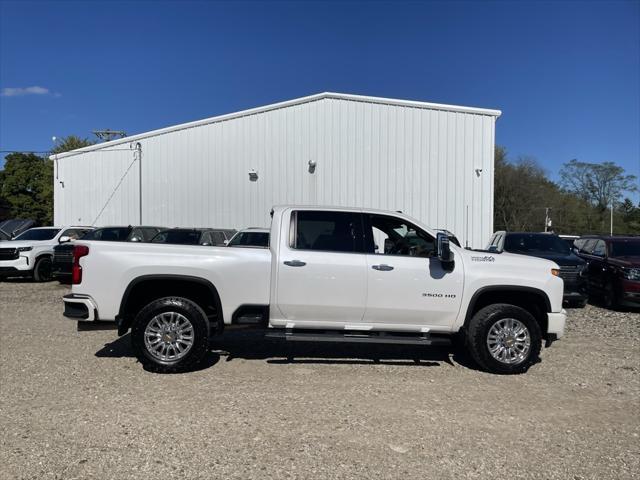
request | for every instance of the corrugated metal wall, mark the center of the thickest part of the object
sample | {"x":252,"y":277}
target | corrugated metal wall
{"x":419,"y":160}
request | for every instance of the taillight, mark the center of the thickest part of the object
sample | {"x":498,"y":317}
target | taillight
{"x":79,"y":251}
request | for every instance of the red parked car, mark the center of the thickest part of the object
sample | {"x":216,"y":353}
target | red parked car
{"x":613,"y":268}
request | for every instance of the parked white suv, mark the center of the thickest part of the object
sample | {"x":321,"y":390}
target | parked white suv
{"x":31,"y":252}
{"x":329,"y":274}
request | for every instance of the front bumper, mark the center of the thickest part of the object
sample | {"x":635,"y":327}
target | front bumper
{"x":630,"y":293}
{"x":574,"y":297}
{"x":555,"y":324}
{"x":19,"y":266}
{"x":80,"y":307}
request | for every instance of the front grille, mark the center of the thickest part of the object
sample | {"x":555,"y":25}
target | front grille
{"x":569,"y":273}
{"x":8,"y":253}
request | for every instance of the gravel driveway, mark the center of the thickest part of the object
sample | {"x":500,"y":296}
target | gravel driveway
{"x":78,"y":405}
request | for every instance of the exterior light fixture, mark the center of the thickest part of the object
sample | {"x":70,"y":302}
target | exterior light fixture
{"x":312,"y":166}
{"x":253,"y":175}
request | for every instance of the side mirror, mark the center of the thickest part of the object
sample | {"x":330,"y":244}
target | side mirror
{"x":136,"y":239}
{"x":444,"y":248}
{"x":64,"y":239}
{"x":205,"y":244}
{"x":226,"y":243}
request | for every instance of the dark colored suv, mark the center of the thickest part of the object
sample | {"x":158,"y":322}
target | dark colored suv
{"x":550,"y":247}
{"x":63,"y":254}
{"x":613,"y":268}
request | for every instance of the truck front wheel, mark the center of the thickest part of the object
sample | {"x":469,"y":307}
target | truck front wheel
{"x":42,"y":272}
{"x":504,"y":339}
{"x":170,"y":335}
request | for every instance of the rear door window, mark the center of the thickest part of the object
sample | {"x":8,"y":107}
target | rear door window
{"x":327,"y":231}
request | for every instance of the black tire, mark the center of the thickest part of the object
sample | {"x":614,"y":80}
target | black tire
{"x":610,"y":297}
{"x":193,"y":313}
{"x":479,"y":328}
{"x":577,"y":303}
{"x":42,"y":272}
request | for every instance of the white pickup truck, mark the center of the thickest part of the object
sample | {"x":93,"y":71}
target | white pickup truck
{"x":329,"y":274}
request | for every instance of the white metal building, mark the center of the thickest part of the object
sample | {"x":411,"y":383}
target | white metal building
{"x":434,"y":162}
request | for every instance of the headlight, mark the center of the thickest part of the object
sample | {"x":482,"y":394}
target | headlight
{"x":631,"y":273}
{"x":24,"y":249}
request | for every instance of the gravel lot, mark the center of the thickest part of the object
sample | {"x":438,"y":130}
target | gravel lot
{"x":78,"y":405}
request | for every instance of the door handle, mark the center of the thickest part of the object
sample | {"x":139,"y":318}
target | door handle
{"x":295,"y":263}
{"x":382,"y":267}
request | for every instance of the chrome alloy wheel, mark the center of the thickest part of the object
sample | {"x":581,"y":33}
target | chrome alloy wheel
{"x":509,"y":341}
{"x":168,"y":336}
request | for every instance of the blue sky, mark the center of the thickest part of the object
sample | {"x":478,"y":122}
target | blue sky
{"x":565,"y":74}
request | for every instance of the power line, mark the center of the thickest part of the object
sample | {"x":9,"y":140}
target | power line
{"x":24,"y":151}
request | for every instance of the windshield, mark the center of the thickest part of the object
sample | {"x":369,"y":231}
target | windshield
{"x":38,"y":234}
{"x":12,"y":228}
{"x":625,"y":248}
{"x":250,"y":239}
{"x":109,"y":234}
{"x":180,"y":237}
{"x":535,"y":243}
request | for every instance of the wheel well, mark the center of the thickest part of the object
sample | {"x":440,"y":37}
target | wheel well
{"x":532,"y":300}
{"x":144,"y":290}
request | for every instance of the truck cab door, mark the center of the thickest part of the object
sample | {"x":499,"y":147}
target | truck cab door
{"x":407,"y":283}
{"x":321,"y":277}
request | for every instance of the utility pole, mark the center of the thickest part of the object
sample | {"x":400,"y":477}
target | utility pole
{"x":611,"y":228}
{"x":108,"y":134}
{"x":547,"y":219}
{"x":138,"y":147}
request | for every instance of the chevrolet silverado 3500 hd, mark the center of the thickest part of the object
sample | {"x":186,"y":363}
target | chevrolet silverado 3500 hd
{"x":329,"y":274}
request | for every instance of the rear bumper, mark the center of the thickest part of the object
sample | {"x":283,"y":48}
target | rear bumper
{"x":556,"y":323}
{"x":80,"y":307}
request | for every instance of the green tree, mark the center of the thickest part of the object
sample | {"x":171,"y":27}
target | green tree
{"x":523,"y":192}
{"x":26,"y":184}
{"x":71,"y":142}
{"x":600,"y":184}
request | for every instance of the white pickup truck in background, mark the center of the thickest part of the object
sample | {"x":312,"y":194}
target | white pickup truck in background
{"x":329,"y":274}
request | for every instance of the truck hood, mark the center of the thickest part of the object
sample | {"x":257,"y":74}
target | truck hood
{"x":564,"y":260}
{"x":28,"y":243}
{"x":474,"y":257}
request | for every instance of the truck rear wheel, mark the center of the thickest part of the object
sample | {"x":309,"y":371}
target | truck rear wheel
{"x":504,"y":339}
{"x":170,"y":335}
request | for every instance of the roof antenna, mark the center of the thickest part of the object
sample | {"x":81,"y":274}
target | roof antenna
{"x":466,"y":233}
